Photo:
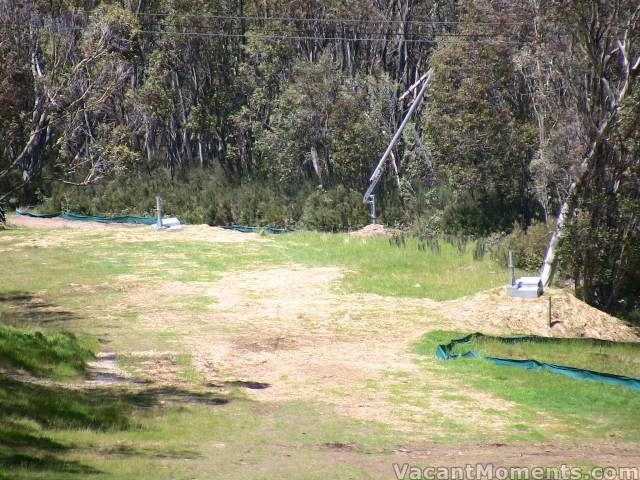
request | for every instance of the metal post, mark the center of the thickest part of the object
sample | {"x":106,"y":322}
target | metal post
{"x":512,"y":273}
{"x":372,"y":209}
{"x":159,"y":210}
{"x":377,"y":173}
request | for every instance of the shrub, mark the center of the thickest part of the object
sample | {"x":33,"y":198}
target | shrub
{"x":528,"y":246}
{"x":333,"y":210}
{"x":201,"y":196}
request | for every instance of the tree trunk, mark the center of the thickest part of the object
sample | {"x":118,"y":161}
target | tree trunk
{"x":315,"y":161}
{"x":394,"y":170}
{"x":549,"y":265}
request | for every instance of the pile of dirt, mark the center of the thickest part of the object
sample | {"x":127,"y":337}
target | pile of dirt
{"x":374,"y":230}
{"x":127,"y":232}
{"x":493,"y":312}
{"x":33,"y":222}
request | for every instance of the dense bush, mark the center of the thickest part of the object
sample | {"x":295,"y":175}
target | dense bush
{"x":528,"y":245}
{"x":204,"y":196}
{"x":335,"y":209}
{"x":601,"y":253}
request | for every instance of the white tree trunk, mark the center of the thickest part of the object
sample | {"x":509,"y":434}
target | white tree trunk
{"x":315,"y":161}
{"x":549,"y":265}
{"x":394,"y":169}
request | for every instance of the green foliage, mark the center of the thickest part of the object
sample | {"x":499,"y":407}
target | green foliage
{"x":601,"y":250}
{"x":603,"y":259}
{"x":333,"y":210}
{"x":204,"y":196}
{"x":528,"y":246}
{"x":326,"y":125}
{"x":481,"y":137}
{"x":56,"y":355}
{"x":424,"y":214}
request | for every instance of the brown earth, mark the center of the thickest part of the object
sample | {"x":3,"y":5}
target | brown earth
{"x":375,"y":230}
{"x":130,"y":232}
{"x":288,"y":328}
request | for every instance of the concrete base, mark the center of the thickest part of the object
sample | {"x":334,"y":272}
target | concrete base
{"x":526,"y":287}
{"x":169,"y":223}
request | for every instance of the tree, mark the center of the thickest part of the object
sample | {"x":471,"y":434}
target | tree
{"x":606,"y":46}
{"x":72,"y":83}
{"x":479,"y":129}
{"x":326,"y":125}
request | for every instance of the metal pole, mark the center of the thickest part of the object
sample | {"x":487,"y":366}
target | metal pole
{"x":159,"y":210}
{"x":372,"y":211}
{"x":377,"y":173}
{"x":413,"y":87}
{"x":512,"y":274}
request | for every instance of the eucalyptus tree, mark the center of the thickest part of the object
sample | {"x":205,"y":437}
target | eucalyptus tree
{"x":604,"y":40}
{"x":76,"y":66}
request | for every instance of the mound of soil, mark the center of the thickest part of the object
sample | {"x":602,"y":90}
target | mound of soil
{"x":127,"y":232}
{"x":493,"y":312}
{"x":374,"y":230}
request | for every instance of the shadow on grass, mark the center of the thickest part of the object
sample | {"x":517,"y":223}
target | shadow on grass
{"x":150,"y":452}
{"x":27,"y":408}
{"x":248,"y":384}
{"x":24,"y":309}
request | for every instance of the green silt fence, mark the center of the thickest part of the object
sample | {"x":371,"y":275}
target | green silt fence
{"x":444,"y":352}
{"x":92,"y":218}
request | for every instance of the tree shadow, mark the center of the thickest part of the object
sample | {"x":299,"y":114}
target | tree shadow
{"x":152,"y":452}
{"x":26,"y":408}
{"x":249,"y":384}
{"x":26,"y":309}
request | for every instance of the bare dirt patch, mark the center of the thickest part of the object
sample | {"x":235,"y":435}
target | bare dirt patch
{"x":104,"y":371}
{"x":188,"y":233}
{"x":512,"y":454}
{"x":123,"y":232}
{"x":287,"y":327}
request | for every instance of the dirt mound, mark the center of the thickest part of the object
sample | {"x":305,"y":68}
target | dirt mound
{"x":374,"y":230}
{"x":33,"y":222}
{"x":494,"y":312}
{"x":126,"y":232}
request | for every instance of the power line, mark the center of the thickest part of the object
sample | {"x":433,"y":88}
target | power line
{"x":380,"y":33}
{"x":315,"y":20}
{"x":319,"y":38}
{"x":293,"y":35}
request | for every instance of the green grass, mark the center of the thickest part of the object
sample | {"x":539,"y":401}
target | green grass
{"x":372,"y":265}
{"x":584,"y":408}
{"x":52,"y":355}
{"x":607,"y":357}
{"x":375,"y":266}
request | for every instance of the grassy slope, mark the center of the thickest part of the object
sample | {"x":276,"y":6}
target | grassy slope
{"x":197,"y":430}
{"x":55,"y":432}
{"x":55,"y":355}
{"x":590,"y":408}
{"x":615,"y":358}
